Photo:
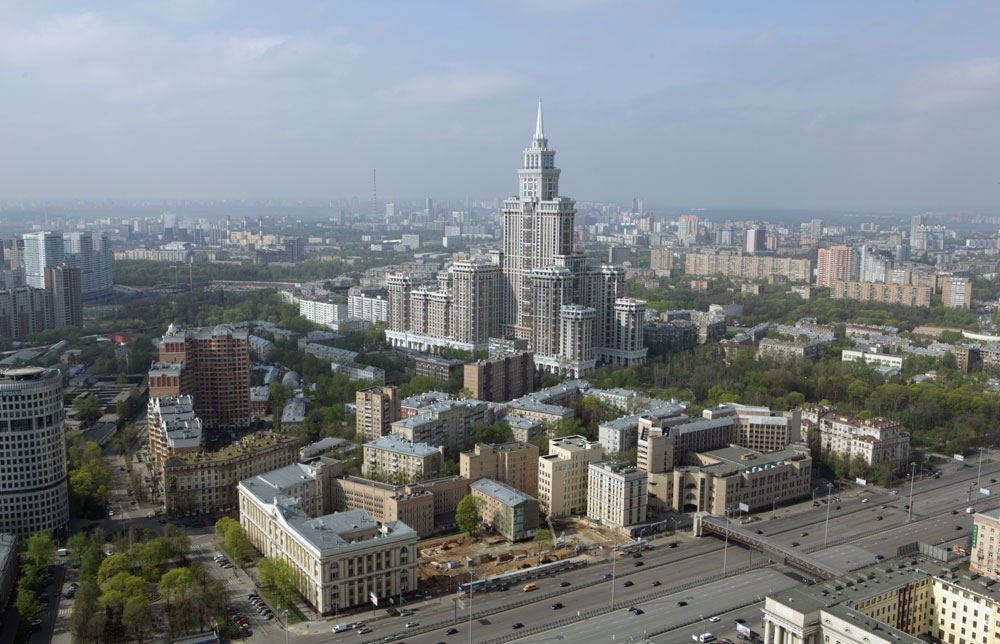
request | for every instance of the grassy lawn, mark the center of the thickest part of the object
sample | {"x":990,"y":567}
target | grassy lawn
{"x":294,"y":614}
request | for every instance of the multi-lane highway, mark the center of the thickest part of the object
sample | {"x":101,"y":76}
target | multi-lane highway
{"x":855,"y":538}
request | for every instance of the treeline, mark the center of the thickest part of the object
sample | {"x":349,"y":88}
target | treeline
{"x":777,"y":304}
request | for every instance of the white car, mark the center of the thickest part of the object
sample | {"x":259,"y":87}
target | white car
{"x":411,"y":624}
{"x":715,"y":618}
{"x":864,"y":500}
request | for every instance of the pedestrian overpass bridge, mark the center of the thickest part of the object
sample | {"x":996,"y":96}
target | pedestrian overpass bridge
{"x":705,"y":523}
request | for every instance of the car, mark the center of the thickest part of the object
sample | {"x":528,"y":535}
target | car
{"x":884,"y":506}
{"x":517,"y":625}
{"x":36,"y":622}
{"x":627,"y":584}
{"x":804,"y":534}
{"x":878,"y":518}
{"x":639,"y":563}
{"x":411,"y":624}
{"x":759,"y":531}
{"x":969,"y":510}
{"x":244,"y":624}
{"x":451,"y":631}
{"x":358,"y":625}
{"x":958,"y":527}
{"x":636,"y":611}
{"x":74,"y":586}
{"x":241,"y":620}
{"x":864,"y":500}
{"x":70,"y":594}
{"x":268,"y":616}
{"x":251,"y":597}
{"x":504,"y":589}
{"x":673,"y":544}
{"x":607,"y":576}
{"x":837,"y":508}
{"x":227,"y":566}
{"x":740,"y":620}
{"x":954,"y":511}
{"x":637,"y":555}
{"x":993,"y":480}
{"x":795,"y":544}
{"x":111,"y":513}
{"x":557,"y":605}
{"x":879,"y":557}
{"x":363,"y":630}
{"x":43,"y":605}
{"x":247,"y":633}
{"x":163,"y":521}
{"x":564,"y":584}
{"x":121,"y":468}
{"x":682,"y":603}
{"x":715,"y":618}
{"x":655,"y":583}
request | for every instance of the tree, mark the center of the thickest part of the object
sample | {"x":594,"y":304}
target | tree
{"x":497,"y":432}
{"x":542,"y":535}
{"x":137,"y":617}
{"x":41,"y":549}
{"x":112,"y":566}
{"x":237,"y":543}
{"x":221,"y":525}
{"x":468,"y":514}
{"x":88,"y":408}
{"x":26,"y":604}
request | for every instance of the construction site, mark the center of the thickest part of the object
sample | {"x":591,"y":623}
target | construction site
{"x":447,"y":562}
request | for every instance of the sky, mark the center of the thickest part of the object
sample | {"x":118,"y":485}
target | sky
{"x":878,"y":106}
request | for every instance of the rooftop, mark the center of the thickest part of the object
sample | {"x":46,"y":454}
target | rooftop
{"x":247,"y":445}
{"x":398,"y":444}
{"x":503,"y":493}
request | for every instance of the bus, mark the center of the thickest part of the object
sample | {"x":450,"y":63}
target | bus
{"x":635,"y":546}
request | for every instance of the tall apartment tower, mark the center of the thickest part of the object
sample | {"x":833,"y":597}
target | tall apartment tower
{"x":34,"y":495}
{"x":836,"y":264}
{"x":210,"y":364}
{"x":537,"y":227}
{"x":23,"y":311}
{"x":377,"y":409}
{"x":754,"y":240}
{"x":63,"y":283}
{"x":476,"y":287}
{"x":92,"y":255}
{"x":41,"y":250}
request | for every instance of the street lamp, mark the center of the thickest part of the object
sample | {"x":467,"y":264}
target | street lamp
{"x":826,"y":531}
{"x":614,"y":561}
{"x":725,"y":548}
{"x":472,"y":574}
{"x":285,"y":613}
{"x":979,"y":478}
{"x":814,"y":494}
{"x":909,"y":512}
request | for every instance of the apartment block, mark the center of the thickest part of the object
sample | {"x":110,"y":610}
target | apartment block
{"x":394,"y":455}
{"x":616,"y":493}
{"x":329,"y":313}
{"x":837,"y":264}
{"x":984,"y":555}
{"x":173,"y":427}
{"x":367,"y":303}
{"x":562,"y":475}
{"x":514,"y":464}
{"x":888,"y":293}
{"x":436,"y":367}
{"x":754,"y":267}
{"x":877,"y":440}
{"x":63,"y":282}
{"x":340,"y":559}
{"x":880,"y":359}
{"x":23,"y":311}
{"x":204,"y":483}
{"x":501,"y":379}
{"x":212,"y":365}
{"x":785,"y":350}
{"x":377,"y":409}
{"x":427,"y":507}
{"x":956,"y":292}
{"x":511,"y":513}
{"x":448,"y":423}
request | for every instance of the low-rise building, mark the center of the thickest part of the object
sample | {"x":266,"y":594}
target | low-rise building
{"x":395,"y":456}
{"x":514,"y":464}
{"x":511,"y":513}
{"x":784,"y":350}
{"x":616,"y":493}
{"x":427,"y":507}
{"x":724,"y":478}
{"x":436,"y":366}
{"x":562,"y":475}
{"x":340,"y":560}
{"x":878,"y":441}
{"x":260,"y":400}
{"x":294,"y":414}
{"x":872,"y":358}
{"x":200,"y":483}
{"x":524,"y":429}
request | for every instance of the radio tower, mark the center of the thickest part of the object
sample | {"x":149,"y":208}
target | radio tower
{"x":374,"y":197}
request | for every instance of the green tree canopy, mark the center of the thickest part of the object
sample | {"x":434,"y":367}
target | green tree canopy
{"x":468,"y":514}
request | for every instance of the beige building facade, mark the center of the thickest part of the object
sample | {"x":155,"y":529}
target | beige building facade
{"x":616,"y":493}
{"x":755,"y":267}
{"x":394,"y":456}
{"x":514,"y":464}
{"x":377,"y":409}
{"x":562,"y":475}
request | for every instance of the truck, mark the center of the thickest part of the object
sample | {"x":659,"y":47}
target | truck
{"x":704,"y":637}
{"x":62,"y":552}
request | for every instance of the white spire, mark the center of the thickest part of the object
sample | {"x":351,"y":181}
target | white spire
{"x":539,"y":130}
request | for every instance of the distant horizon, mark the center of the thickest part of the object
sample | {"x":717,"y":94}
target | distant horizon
{"x":853,"y":107}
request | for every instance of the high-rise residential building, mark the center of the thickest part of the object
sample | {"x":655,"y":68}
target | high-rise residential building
{"x":836,"y":264}
{"x":562,"y":475}
{"x":754,"y":240}
{"x":956,"y":292}
{"x":687,"y":228}
{"x":23,"y":311}
{"x":815,"y":228}
{"x":377,"y":409}
{"x":63,"y":283}
{"x":174,"y":428}
{"x":875,"y":265}
{"x":521,"y":292}
{"x":916,"y":223}
{"x":501,"y":379}
{"x":367,"y":303}
{"x":661,"y":258}
{"x":92,"y":255}
{"x":34,"y":495}
{"x":41,"y":250}
{"x":212,"y":365}
{"x":514,"y":464}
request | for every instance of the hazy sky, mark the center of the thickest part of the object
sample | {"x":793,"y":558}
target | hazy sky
{"x":869,"y":105}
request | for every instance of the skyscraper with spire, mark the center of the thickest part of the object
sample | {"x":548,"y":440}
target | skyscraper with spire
{"x":573,"y":316}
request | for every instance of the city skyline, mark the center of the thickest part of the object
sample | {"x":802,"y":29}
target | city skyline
{"x":853,"y":107}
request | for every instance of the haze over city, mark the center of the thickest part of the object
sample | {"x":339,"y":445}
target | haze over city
{"x":887,"y":106}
